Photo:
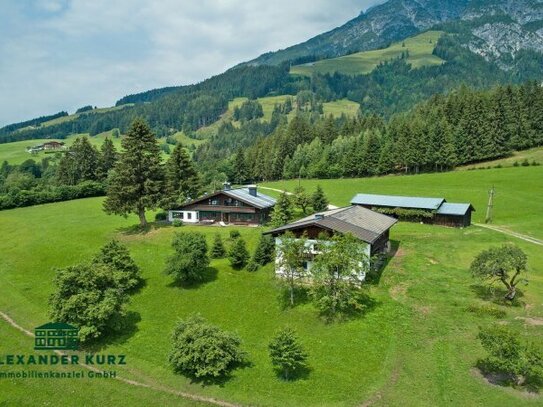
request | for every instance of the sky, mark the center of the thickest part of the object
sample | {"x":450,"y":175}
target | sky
{"x":64,"y":54}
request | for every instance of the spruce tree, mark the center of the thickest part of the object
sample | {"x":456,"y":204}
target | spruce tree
{"x":282,"y":211}
{"x":319,"y":200}
{"x":79,"y":163}
{"x":182,"y":180}
{"x":238,"y":254}
{"x":240,"y":167}
{"x":108,"y":158}
{"x":217,"y":250}
{"x":265,"y":250}
{"x":137,"y":181}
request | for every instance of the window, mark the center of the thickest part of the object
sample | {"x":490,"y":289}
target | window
{"x":305,"y":265}
{"x":189,"y":216}
{"x":177,"y":215}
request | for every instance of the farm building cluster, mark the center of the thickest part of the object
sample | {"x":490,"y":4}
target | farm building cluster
{"x":369,"y":218}
{"x":47,"y":146}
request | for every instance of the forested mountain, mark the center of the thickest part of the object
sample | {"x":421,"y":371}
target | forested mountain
{"x":495,"y":29}
{"x":485,"y":43}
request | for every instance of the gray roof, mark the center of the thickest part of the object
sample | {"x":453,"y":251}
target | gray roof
{"x":459,"y":209}
{"x":260,"y":201}
{"x":362,"y":223}
{"x":393,"y":201}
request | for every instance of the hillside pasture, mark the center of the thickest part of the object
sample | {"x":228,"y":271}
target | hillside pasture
{"x":419,"y":47}
{"x":415,"y":346}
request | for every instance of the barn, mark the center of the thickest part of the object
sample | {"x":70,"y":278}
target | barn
{"x":436,"y":211}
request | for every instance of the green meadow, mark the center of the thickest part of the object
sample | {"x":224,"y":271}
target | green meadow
{"x":420,"y":49}
{"x":416,"y":346}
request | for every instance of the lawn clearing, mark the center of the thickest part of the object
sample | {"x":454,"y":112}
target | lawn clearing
{"x":416,"y":347}
{"x":420,"y":50}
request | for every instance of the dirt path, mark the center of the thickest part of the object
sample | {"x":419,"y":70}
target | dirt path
{"x":162,"y":389}
{"x":510,"y":233}
{"x":290,"y":193}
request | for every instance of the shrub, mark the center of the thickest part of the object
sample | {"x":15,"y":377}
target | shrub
{"x":525,"y":163}
{"x":287,"y":354}
{"x":89,"y":297}
{"x":252,"y":266}
{"x":116,"y":255}
{"x":234,"y":234}
{"x":202,"y":350}
{"x":190,"y":259}
{"x":508,"y":356}
{"x":161,"y":216}
{"x":176,"y":223}
{"x":238,"y":254}
{"x":515,"y":164}
{"x":483,"y":310}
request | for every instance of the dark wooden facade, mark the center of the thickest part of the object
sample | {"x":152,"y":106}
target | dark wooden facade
{"x":223,"y":208}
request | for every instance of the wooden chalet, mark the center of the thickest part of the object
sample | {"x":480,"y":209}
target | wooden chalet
{"x":237,"y":206}
{"x":440,"y":212}
{"x":371,"y":228}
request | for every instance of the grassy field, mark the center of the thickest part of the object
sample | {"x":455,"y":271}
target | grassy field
{"x":15,"y":153}
{"x":420,"y":50}
{"x":416,"y":347}
{"x":516,"y":204}
{"x":534,"y":154}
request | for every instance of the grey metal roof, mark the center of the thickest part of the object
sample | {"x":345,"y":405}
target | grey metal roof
{"x":459,"y":209}
{"x":362,"y":223}
{"x":260,"y":200}
{"x":394,"y":201}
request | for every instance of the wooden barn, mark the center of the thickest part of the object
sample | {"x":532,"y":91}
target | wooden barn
{"x":437,"y":210}
{"x":237,"y":206}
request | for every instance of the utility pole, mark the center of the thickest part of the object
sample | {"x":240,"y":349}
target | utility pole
{"x":490,"y":206}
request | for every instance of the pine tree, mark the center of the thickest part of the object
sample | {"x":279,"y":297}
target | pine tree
{"x":182,"y":180}
{"x":319,"y":202}
{"x":240,"y":167}
{"x":287,"y":354}
{"x":265,"y":250}
{"x":138,"y":178}
{"x":108,"y":158}
{"x":217,"y":250}
{"x":282,"y":211}
{"x":79,"y":163}
{"x":238,"y":254}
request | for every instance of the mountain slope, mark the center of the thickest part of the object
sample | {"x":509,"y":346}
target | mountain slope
{"x":497,"y":30}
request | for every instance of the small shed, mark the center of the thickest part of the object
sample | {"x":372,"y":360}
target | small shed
{"x":454,"y":214}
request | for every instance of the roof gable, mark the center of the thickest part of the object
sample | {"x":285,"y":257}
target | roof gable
{"x":458,"y":209}
{"x":362,"y":223}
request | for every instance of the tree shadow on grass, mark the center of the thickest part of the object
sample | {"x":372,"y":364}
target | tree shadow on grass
{"x":363,"y":305}
{"x":496,"y":295}
{"x":137,"y":229}
{"x":129,"y":327}
{"x":301,"y":296}
{"x":209,"y":275}
{"x":302,"y":374}
{"x":374,"y":276}
{"x":220,"y":380}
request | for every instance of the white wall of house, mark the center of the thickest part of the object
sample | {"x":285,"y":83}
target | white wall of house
{"x":184,"y":216}
{"x":308,"y":265}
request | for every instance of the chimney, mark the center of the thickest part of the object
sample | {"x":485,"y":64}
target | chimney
{"x":227,"y":186}
{"x":252,"y":190}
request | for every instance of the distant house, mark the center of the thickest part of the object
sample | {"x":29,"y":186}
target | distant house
{"x":53,"y":145}
{"x":438,"y":210}
{"x":238,"y":206}
{"x":371,"y":228}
